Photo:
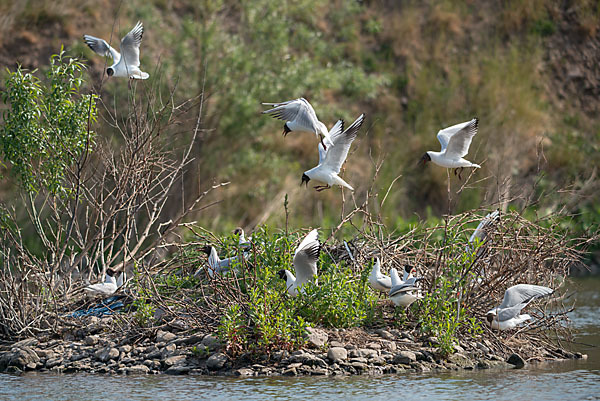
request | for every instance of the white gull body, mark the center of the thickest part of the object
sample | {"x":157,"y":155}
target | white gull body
{"x":305,"y":263}
{"x":507,"y":315}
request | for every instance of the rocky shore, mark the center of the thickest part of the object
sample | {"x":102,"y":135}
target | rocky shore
{"x":328,"y":352}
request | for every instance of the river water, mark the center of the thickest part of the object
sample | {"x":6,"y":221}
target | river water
{"x":570,"y":380}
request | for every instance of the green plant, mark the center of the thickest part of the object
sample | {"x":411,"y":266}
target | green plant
{"x":46,"y":127}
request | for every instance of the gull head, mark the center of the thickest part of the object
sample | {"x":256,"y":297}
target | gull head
{"x":206,"y":249}
{"x":490,"y":318}
{"x":238,"y":231}
{"x":110,"y":272}
{"x":286,"y":130}
{"x":425,"y":158}
{"x":410,"y":269}
{"x":305,"y":179}
{"x":281,"y":274}
{"x":110,"y":72}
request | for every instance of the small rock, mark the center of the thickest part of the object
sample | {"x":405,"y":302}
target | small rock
{"x":137,"y":370}
{"x":516,"y":360}
{"x":195,"y":339}
{"x":244,"y":372}
{"x":337,"y":354}
{"x":168,"y":351}
{"x":335,"y":344}
{"x":125,"y":348}
{"x":28,"y":342}
{"x":91,"y":340}
{"x":50,"y":363}
{"x":319,"y":372}
{"x":367,"y":353}
{"x":164,"y":336}
{"x":405,"y":358}
{"x":384,"y":334}
{"x":212,"y":342}
{"x":174,"y":360}
{"x":482,"y":347}
{"x":375,"y":346}
{"x":178,"y":370}
{"x":316,"y":338}
{"x":106,"y":354}
{"x":461,"y":360}
{"x":216,"y":361}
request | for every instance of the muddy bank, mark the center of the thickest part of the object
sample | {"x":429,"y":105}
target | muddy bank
{"x":328,"y":352}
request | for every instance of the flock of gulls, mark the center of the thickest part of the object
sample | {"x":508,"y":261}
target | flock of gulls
{"x":333,"y":147}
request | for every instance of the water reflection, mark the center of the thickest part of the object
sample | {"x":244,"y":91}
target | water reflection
{"x":572,"y":380}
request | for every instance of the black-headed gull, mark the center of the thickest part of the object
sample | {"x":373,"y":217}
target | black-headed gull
{"x":305,"y":263}
{"x":127,"y":63}
{"x":332,"y":158}
{"x":121,"y":279}
{"x":242,"y":241}
{"x":455,"y":143}
{"x":379,"y":281}
{"x":108,"y":287}
{"x":506,"y":316}
{"x":216,"y":265}
{"x":298,"y":115}
{"x":404,"y":293}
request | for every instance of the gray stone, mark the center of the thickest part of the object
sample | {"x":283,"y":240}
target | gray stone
{"x":405,"y":357}
{"x":384,"y":334}
{"x":28,"y":342}
{"x":178,"y":370}
{"x":376,"y":346}
{"x":195,"y":339}
{"x":216,"y":361}
{"x":44,"y":353}
{"x":336,"y":354}
{"x":335,"y":344}
{"x":125,"y":348}
{"x":77,"y":357}
{"x":212,"y":342}
{"x":319,"y":372}
{"x":316,"y":337}
{"x":138,"y":370}
{"x":18,"y":357}
{"x":91,"y":340}
{"x":244,"y":372}
{"x":106,"y":354}
{"x":367,"y":353}
{"x":461,"y":360}
{"x":379,"y":361}
{"x":516,"y":360}
{"x":174,"y":360}
{"x":167,"y":351}
{"x":164,"y":336}
{"x":50,"y":363}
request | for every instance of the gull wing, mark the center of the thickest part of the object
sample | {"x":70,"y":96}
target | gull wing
{"x":484,"y":224}
{"x":297,"y":110}
{"x":523,"y":294}
{"x":337,"y":153}
{"x":463,"y":132}
{"x":130,"y":45}
{"x":335,"y":130}
{"x":402,"y":288}
{"x":306,"y":256}
{"x":101,"y":47}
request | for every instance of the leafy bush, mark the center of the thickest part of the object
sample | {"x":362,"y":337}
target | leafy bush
{"x":46,"y":127}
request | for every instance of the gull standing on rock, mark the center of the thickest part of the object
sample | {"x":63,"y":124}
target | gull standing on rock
{"x":506,"y":316}
{"x":108,"y":287}
{"x":404,"y":293}
{"x":127,"y":64}
{"x":455,"y":143}
{"x":332,"y":158}
{"x":305,"y":263}
{"x":298,"y":115}
{"x":379,"y":281}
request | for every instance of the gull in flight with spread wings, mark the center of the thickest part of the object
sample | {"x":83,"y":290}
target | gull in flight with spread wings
{"x":332,"y":158}
{"x":305,"y":263}
{"x":299,"y":115}
{"x":127,"y":63}
{"x":455,"y":143}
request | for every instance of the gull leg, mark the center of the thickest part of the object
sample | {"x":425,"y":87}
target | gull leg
{"x":322,"y":187}
{"x":459,"y":172}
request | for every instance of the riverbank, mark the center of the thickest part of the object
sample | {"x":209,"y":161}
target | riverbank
{"x":327,"y":352}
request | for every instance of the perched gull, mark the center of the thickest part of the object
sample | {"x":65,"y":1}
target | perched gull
{"x":484,"y":227}
{"x":108,"y":287}
{"x":216,"y":265}
{"x":305,"y":263}
{"x":403,"y":293}
{"x":379,"y":281}
{"x":125,"y":65}
{"x":331,"y":160}
{"x":455,"y":143}
{"x":506,"y":316}
{"x":242,"y":241}
{"x":298,"y":115}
